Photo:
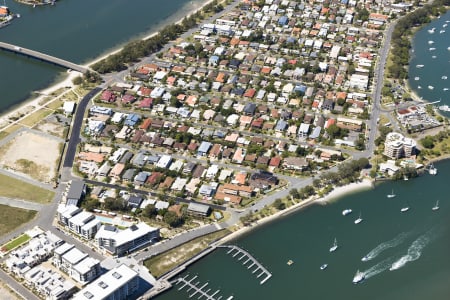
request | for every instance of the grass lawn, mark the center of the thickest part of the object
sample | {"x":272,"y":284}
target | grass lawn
{"x":161,"y":264}
{"x":12,"y":129}
{"x":56,"y":104}
{"x":13,"y":217}
{"x":34,"y":118}
{"x":13,"y":188}
{"x":16,"y":242}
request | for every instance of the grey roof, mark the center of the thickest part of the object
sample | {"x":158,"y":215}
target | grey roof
{"x":197,"y":207}
{"x":76,"y":190}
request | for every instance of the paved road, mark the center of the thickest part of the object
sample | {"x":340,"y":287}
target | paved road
{"x":76,"y":128}
{"x":18,"y":288}
{"x":147,"y":193}
{"x":383,"y":53}
{"x":22,"y":204}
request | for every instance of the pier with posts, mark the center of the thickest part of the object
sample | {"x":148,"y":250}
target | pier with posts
{"x":248,"y":261}
{"x":196,"y":289}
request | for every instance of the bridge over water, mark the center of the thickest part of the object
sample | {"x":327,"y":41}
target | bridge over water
{"x":42,"y":56}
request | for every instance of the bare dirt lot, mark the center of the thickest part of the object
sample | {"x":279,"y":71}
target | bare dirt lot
{"x":32,"y":154}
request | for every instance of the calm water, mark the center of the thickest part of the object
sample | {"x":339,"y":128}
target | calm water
{"x":76,"y":30}
{"x":416,"y":241}
{"x":430,"y":50}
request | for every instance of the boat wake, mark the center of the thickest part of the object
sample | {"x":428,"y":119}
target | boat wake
{"x":378,"y":268}
{"x":386,"y":245}
{"x":414,"y":251}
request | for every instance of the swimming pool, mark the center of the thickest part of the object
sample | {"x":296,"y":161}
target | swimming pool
{"x":113,"y":220}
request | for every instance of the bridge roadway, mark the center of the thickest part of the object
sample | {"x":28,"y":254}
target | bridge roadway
{"x":43,"y":57}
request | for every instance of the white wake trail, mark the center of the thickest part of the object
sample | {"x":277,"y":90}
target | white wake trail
{"x":386,"y":245}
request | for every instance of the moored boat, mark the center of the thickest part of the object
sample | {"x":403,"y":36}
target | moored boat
{"x":436,"y":206}
{"x":324,"y":266}
{"x":359,"y":220}
{"x":346,"y":211}
{"x":335,"y":246}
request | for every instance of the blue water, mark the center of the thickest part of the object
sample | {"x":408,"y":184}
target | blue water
{"x":75,"y":30}
{"x":434,"y":68}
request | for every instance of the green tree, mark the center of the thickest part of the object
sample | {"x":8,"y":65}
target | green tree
{"x":173,"y":219}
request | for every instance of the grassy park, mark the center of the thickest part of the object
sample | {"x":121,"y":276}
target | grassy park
{"x":13,"y":217}
{"x":13,"y":188}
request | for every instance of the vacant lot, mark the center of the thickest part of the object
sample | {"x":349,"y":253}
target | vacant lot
{"x":165,"y":262}
{"x":13,"y":188}
{"x":32,"y":154}
{"x":12,"y":217}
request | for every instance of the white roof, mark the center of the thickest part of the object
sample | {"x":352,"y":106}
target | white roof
{"x":85,"y":265}
{"x":74,"y":256}
{"x":103,"y":233}
{"x":132,"y":233}
{"x":63,"y":248}
{"x":107,"y":284}
{"x":81,"y":218}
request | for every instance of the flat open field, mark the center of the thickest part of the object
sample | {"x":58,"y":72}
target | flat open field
{"x":12,"y":217}
{"x":32,"y":154}
{"x":13,"y":188}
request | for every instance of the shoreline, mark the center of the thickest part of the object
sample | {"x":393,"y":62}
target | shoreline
{"x":335,"y":194}
{"x":29,"y":104}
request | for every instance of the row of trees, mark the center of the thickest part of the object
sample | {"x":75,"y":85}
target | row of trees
{"x":401,"y":36}
{"x":135,"y":50}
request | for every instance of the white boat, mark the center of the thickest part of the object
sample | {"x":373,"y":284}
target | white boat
{"x":444,"y":107}
{"x":445,"y":89}
{"x":359,"y":277}
{"x":416,"y":78}
{"x":448,"y":48}
{"x":434,"y":56}
{"x":324,"y":266}
{"x":432,"y":170}
{"x":431,"y":30}
{"x":421,"y":66}
{"x":432,"y":49}
{"x":419,"y":87}
{"x":391,"y":195}
{"x":442,"y":31}
{"x":430,"y":87}
{"x":405,"y":178}
{"x":365,"y":258}
{"x":335,"y":246}
{"x":436,"y":206}
{"x":430,"y":42}
{"x":444,"y":77}
{"x":346,"y":211}
{"x":404,"y":209}
{"x":359,"y":220}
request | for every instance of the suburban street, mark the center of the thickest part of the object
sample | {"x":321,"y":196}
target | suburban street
{"x":46,"y":212}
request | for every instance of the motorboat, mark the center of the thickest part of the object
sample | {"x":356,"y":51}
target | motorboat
{"x":444,"y":77}
{"x":431,"y":30}
{"x":404,"y":209}
{"x":445,"y":89}
{"x":365,"y":258}
{"x":335,"y":246}
{"x":324,"y":266}
{"x":359,"y":277}
{"x":442,"y":31}
{"x":434,"y":56}
{"x":430,"y":87}
{"x":421,"y":66}
{"x":432,"y":49}
{"x":290,"y":262}
{"x":419,"y":87}
{"x":359,"y":220}
{"x":432,"y":170}
{"x":416,"y":78}
{"x":436,"y":206}
{"x":430,"y":42}
{"x":391,"y":195}
{"x":444,"y":107}
{"x":346,"y":211}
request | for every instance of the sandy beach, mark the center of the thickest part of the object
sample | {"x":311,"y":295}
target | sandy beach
{"x":338,"y":192}
{"x":29,"y":106}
